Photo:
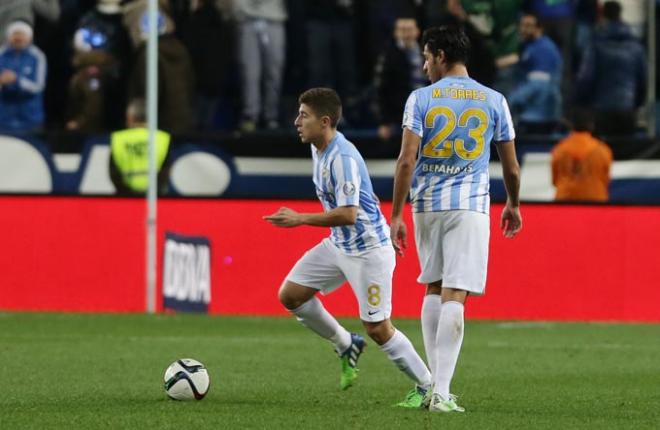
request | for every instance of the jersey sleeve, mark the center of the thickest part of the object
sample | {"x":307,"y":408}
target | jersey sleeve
{"x":346,"y":178}
{"x":504,"y":124}
{"x":412,"y":115}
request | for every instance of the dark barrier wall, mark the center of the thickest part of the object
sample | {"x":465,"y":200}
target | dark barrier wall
{"x":87,"y":254}
{"x":278,"y":166}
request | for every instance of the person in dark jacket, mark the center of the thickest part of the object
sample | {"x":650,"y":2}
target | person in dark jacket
{"x":612,"y":76}
{"x":176,"y":84}
{"x":91,"y":92}
{"x":398,"y":73}
{"x":203,"y":33}
{"x":536,"y":100}
{"x":102,"y":48}
{"x":22,"y":80}
{"x":331,"y":45}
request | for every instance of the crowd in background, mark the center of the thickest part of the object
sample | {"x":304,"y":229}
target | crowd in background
{"x":240,"y":64}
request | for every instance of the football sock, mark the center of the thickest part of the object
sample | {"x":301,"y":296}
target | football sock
{"x":402,"y":353}
{"x":313,"y":315}
{"x":431,"y":307}
{"x":448,"y":341}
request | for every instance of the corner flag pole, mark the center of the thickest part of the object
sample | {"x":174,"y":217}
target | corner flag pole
{"x":152,"y":122}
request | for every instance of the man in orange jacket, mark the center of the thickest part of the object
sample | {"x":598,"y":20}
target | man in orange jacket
{"x":581,"y":163}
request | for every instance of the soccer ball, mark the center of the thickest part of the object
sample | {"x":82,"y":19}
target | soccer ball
{"x":186,"y":379}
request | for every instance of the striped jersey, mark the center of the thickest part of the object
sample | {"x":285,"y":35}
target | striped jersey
{"x":341,"y":179}
{"x":457,"y":119}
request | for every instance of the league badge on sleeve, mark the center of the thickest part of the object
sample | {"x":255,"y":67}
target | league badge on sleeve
{"x":348,"y":189}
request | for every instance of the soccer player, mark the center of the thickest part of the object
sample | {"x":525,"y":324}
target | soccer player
{"x":448,"y":127}
{"x":359,"y":249}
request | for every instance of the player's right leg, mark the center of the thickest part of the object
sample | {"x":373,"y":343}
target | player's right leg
{"x":401,"y":352}
{"x":370,"y":276}
{"x":449,"y":338}
{"x":302,"y":302}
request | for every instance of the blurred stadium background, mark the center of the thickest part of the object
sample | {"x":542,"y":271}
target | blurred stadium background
{"x":74,"y":242}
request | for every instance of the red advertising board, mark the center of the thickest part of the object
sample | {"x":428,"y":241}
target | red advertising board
{"x":88,"y":255}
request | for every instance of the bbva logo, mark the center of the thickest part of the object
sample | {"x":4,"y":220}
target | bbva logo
{"x":187,"y":273}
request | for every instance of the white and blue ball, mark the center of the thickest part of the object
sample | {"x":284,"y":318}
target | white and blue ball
{"x":186,"y":379}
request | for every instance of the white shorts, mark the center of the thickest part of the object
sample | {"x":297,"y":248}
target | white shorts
{"x":453,"y":247}
{"x":325,"y":268}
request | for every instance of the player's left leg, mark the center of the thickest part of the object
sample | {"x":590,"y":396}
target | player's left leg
{"x":370,"y":277}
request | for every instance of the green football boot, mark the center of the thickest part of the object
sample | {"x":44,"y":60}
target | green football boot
{"x":349,"y":359}
{"x":415,"y":399}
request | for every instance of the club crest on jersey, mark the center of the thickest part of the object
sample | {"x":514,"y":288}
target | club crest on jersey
{"x":348,"y":189}
{"x":325,"y":173}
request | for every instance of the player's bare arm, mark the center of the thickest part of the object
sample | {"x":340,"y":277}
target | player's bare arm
{"x":511,"y":220}
{"x":405,"y":166}
{"x":286,"y":217}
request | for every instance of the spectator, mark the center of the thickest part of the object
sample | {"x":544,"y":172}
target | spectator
{"x":330,"y":46}
{"x":586,"y":16}
{"x":378,"y":19}
{"x":175,"y":73}
{"x":398,"y":73}
{"x":129,"y":158}
{"x":657,"y":75}
{"x":203,"y":34}
{"x":102,"y":27}
{"x":22,"y":79}
{"x":612,"y":76}
{"x":89,"y":90}
{"x":557,"y":17}
{"x":54,"y":39}
{"x":507,"y":41}
{"x":581,"y":163}
{"x":136,"y":20}
{"x":103,"y":48}
{"x":12,"y":10}
{"x":536,"y":101}
{"x":476,"y":18}
{"x":261,"y":57}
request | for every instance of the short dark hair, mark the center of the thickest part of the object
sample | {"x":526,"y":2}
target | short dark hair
{"x":137,"y":109}
{"x":406,"y":16}
{"x":324,"y":102}
{"x":612,"y":10}
{"x":537,"y":20}
{"x":582,"y":120}
{"x":450,"y":39}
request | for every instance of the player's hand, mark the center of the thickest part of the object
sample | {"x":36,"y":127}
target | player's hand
{"x":399,"y":235}
{"x":511,"y":222}
{"x":7,"y":77}
{"x":284,"y":217}
{"x":385,"y":131}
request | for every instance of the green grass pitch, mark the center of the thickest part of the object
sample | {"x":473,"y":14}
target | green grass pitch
{"x":79,"y":371}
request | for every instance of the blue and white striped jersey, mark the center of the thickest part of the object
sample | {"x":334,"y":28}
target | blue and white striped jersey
{"x":457,"y":118}
{"x":342,"y":179}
